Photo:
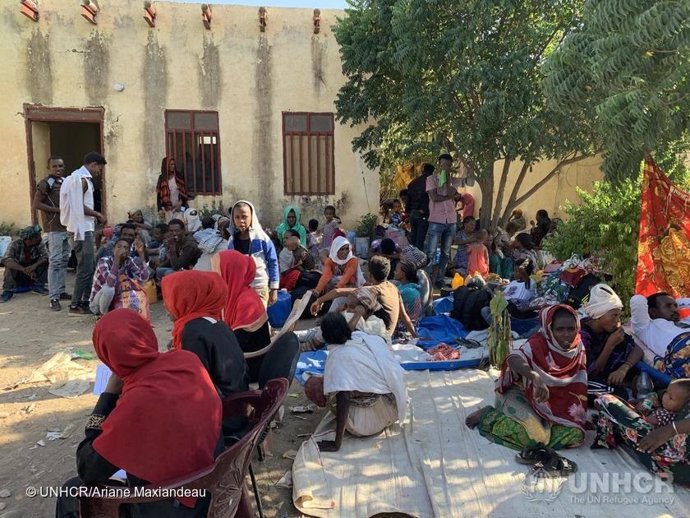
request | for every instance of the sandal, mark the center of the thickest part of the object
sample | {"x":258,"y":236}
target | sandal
{"x":535,"y":454}
{"x":557,"y":466}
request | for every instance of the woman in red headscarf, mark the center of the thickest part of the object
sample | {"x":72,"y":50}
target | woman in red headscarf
{"x":159,"y":418}
{"x":246,"y":316}
{"x":541,"y":396}
{"x":195,"y":301}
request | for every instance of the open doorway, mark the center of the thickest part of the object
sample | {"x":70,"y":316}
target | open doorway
{"x":69,"y":133}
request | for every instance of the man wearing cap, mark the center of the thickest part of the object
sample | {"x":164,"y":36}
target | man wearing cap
{"x":78,"y":215}
{"x":26,"y":264}
{"x":442,"y":217}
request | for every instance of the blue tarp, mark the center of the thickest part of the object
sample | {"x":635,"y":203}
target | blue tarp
{"x":439,"y":328}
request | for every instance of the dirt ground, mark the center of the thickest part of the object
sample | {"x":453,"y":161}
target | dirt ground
{"x":30,"y":334}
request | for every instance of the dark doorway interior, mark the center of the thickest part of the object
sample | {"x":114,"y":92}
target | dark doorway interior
{"x":69,"y":133}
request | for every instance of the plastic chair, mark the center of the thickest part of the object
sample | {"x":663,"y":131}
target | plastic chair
{"x":224,"y":480}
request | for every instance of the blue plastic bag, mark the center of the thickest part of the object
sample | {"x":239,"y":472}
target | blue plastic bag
{"x":279,"y":311}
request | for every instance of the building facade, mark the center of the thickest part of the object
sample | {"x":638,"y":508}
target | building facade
{"x":243,"y":102}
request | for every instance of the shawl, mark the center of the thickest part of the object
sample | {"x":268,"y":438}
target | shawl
{"x":337,"y":244}
{"x":365,"y":364}
{"x":563,"y":372}
{"x":297,"y":227}
{"x":243,"y":308}
{"x":163,"y":189}
{"x":167,"y":421}
{"x":192,"y":294}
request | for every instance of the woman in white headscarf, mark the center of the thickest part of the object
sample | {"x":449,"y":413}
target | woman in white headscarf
{"x":362,"y":384}
{"x":341,"y":269}
{"x":611,"y":353}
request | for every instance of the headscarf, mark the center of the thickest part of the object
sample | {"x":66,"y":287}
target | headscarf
{"x":297,"y":227}
{"x":30,"y":231}
{"x":243,"y":308}
{"x":337,"y":244}
{"x":192,"y":220}
{"x":602,"y":299}
{"x":366,"y":298}
{"x":563,"y":372}
{"x":255,"y":229}
{"x":192,"y":294}
{"x":167,"y":421}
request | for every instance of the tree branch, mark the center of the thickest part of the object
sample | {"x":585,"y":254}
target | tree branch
{"x":551,"y":174}
{"x":513,"y":193}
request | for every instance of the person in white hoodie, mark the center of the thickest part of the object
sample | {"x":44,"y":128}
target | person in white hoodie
{"x":77,"y":214}
{"x":248,"y":237}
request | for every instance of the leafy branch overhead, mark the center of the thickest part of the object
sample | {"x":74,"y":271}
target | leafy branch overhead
{"x":628,"y":68}
{"x":460,"y":76}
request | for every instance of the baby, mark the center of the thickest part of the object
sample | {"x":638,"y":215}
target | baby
{"x":673,"y":401}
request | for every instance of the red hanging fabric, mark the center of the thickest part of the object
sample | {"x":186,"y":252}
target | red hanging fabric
{"x":663,"y":251}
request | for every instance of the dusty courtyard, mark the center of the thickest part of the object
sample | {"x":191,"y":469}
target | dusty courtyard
{"x":39,"y":431}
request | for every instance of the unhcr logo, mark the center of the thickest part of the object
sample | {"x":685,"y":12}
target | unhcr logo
{"x":599,"y":488}
{"x":541,"y":486}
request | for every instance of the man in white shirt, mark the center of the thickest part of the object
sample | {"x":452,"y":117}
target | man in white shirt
{"x":79,"y":217}
{"x":656,"y":321}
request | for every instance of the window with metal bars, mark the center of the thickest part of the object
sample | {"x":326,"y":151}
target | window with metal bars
{"x":191,"y":137}
{"x":308,"y":162}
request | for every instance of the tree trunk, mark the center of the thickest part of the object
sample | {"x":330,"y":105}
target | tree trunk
{"x":485,"y":179}
{"x":499,"y":196}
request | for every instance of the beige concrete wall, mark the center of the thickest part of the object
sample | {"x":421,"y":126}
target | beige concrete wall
{"x":555,"y":193}
{"x":250,"y":78}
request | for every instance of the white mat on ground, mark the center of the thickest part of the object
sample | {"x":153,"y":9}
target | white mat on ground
{"x":436,"y":466}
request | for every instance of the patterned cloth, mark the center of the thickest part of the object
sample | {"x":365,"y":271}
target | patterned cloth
{"x":513,"y":424}
{"x":663,"y":253}
{"x":127,"y":281}
{"x":563,"y":372}
{"x":618,"y":424}
{"x":676,"y":362}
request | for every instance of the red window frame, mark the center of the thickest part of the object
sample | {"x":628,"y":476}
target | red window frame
{"x":319,"y":183}
{"x":205,"y":177}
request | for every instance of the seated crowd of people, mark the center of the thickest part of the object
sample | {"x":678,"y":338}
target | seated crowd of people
{"x":219,"y":275}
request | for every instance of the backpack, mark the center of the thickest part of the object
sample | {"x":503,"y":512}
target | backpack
{"x":468,"y":302}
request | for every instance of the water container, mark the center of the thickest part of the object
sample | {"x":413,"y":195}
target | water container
{"x":644,"y":385}
{"x":437,"y":256}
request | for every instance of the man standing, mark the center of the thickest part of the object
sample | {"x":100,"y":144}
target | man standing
{"x":47,"y":200}
{"x":26,"y":264}
{"x":417,"y":206}
{"x":442,"y":217}
{"x":78,"y":215}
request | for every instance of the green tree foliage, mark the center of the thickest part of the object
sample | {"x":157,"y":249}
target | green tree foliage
{"x":606,"y":223}
{"x":462,"y":76}
{"x":627,"y":67}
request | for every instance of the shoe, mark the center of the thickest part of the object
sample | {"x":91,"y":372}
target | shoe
{"x":55,"y":305}
{"x":65,"y":296}
{"x":41,"y":290}
{"x":79,"y":311}
{"x":6,"y":296}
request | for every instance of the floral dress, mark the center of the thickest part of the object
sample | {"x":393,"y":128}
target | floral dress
{"x":618,"y":423}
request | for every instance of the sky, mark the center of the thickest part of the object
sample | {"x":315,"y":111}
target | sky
{"x":322,"y":4}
